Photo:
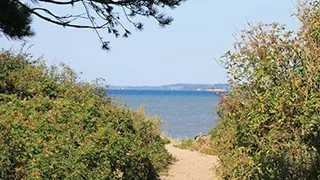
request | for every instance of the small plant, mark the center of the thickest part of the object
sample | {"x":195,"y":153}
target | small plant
{"x":201,"y":143}
{"x":185,"y":144}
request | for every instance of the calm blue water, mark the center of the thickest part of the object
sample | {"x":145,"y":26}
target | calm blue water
{"x":184,"y":113}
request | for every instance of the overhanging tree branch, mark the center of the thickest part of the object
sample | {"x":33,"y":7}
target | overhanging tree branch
{"x":64,"y":23}
{"x":100,"y":14}
{"x":60,"y":2}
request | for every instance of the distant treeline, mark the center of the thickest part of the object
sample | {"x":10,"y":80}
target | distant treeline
{"x":189,"y":87}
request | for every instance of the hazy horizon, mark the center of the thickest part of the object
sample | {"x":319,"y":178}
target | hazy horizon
{"x":170,"y":84}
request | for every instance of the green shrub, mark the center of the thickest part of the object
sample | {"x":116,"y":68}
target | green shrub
{"x":201,"y":143}
{"x":270,"y":122}
{"x":52,"y":127}
{"x":185,"y":144}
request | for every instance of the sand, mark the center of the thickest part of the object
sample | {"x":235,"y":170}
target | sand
{"x":191,"y":165}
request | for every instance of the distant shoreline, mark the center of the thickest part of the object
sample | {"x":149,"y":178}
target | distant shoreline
{"x":177,"y":87}
{"x":206,"y":90}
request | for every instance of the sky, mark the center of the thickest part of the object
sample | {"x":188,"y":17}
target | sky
{"x":183,"y":52}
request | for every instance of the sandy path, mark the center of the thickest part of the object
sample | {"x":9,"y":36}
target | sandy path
{"x":190,"y":165}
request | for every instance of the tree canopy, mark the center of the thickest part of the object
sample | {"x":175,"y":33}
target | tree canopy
{"x":110,"y":15}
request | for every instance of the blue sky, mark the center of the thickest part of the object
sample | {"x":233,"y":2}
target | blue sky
{"x":181,"y":53}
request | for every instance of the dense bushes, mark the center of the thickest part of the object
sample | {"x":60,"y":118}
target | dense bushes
{"x":52,"y":127}
{"x":270,"y":122}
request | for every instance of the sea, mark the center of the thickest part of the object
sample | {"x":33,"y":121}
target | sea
{"x":185,"y":114}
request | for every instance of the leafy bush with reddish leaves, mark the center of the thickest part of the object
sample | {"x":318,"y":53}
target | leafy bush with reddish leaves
{"x":52,"y":127}
{"x":270,"y":122}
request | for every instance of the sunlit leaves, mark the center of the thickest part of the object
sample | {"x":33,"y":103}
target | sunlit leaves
{"x":272,"y":116}
{"x":54,"y":127}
